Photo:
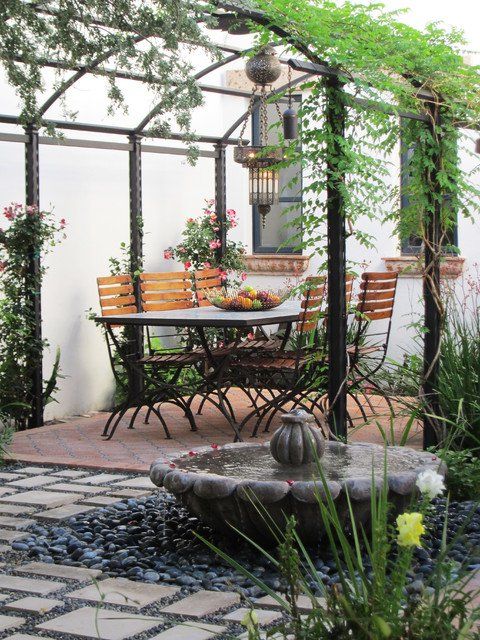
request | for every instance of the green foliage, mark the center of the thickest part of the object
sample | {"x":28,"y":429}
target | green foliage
{"x":385,"y":61}
{"x":370,"y":601}
{"x":154,"y":38}
{"x":463,"y":479}
{"x":200,"y":242}
{"x":30,"y":234}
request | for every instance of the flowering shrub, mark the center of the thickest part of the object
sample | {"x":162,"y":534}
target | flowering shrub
{"x":30,"y":234}
{"x":371,"y":597}
{"x":198,"y":248}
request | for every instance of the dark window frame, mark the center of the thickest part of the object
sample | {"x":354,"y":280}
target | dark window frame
{"x":413,"y":245}
{"x":258,"y":248}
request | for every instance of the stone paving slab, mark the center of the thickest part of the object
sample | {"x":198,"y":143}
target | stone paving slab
{"x":4,"y":491}
{"x":81,"y":488}
{"x":15,"y":523}
{"x":9,"y":535}
{"x":264,"y":616}
{"x":304,"y":603}
{"x":16,"y":509}
{"x":100,"y":501}
{"x":190,"y":631}
{"x":9,"y":475}
{"x":142,"y":482}
{"x":50,"y":499}
{"x":101,"y":478}
{"x":33,"y":470}
{"x":130,"y":493}
{"x":80,"y":574}
{"x":25,"y":636}
{"x":4,"y":548}
{"x":203,"y":603}
{"x":64,"y":512}
{"x":31,"y":482}
{"x":32,"y":604}
{"x":124,"y":591}
{"x":112,"y":625}
{"x":10,"y":622}
{"x":29,"y":585}
{"x":69,"y":473}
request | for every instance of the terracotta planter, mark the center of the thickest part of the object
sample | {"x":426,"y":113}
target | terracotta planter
{"x":412,"y":266}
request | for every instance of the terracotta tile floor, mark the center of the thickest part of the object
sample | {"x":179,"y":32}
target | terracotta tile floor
{"x":79,"y":442}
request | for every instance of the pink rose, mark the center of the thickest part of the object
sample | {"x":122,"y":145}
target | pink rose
{"x":207,"y":265}
{"x":215,"y":244}
{"x":216,"y":229}
{"x":168,"y":254}
{"x":210,"y":203}
{"x":187,"y":264}
{"x":231,"y":213}
{"x":223,"y":275}
{"x":181,"y":249}
{"x":250,"y":335}
{"x":243,"y":276}
{"x":63,"y":223}
{"x":189,"y":219}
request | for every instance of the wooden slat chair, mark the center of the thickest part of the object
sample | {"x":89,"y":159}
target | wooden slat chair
{"x":205,"y":281}
{"x":289,"y":373}
{"x":117,"y":297}
{"x":164,"y":291}
{"x":371,"y":328}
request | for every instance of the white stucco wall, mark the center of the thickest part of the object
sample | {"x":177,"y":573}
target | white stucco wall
{"x":90,"y":189}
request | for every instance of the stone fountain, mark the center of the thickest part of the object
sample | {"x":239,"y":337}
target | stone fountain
{"x":229,"y":486}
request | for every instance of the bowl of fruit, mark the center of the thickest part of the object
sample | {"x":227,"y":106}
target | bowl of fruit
{"x":246,"y":299}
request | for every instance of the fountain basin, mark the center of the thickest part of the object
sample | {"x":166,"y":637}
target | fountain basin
{"x":228,"y":486}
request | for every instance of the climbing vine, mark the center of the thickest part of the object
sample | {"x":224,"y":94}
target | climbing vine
{"x":30,"y":234}
{"x":383,"y":63}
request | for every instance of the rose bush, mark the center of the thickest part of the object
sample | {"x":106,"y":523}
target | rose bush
{"x":30,"y":233}
{"x":200,"y":241}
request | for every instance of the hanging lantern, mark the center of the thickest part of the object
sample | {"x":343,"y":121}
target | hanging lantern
{"x":290,"y":118}
{"x":260,"y":160}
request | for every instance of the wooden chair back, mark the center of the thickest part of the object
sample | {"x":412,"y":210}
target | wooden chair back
{"x":313,"y":298}
{"x":377,"y":295}
{"x":116,"y":295}
{"x":166,"y":290}
{"x":206,"y":279}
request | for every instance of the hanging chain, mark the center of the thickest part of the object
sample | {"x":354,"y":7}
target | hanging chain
{"x":290,"y":88}
{"x":263,"y":117}
{"x":248,"y":115}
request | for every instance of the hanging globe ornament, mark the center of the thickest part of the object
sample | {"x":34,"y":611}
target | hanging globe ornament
{"x":264,"y":68}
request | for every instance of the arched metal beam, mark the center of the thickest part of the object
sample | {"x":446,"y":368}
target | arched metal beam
{"x":281,"y":89}
{"x":80,"y":74}
{"x":212,"y":67}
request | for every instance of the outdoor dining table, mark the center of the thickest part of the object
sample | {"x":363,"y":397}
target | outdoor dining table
{"x":202,"y":318}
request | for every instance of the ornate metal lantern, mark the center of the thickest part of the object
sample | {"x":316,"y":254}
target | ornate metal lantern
{"x":263,"y":69}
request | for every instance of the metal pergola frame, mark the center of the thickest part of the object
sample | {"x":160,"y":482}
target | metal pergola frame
{"x":335,"y":81}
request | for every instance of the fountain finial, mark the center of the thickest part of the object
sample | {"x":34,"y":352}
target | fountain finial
{"x":297,"y":441}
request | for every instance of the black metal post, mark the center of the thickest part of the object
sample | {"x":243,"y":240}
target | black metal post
{"x":337,"y":311}
{"x":221,"y":196}
{"x":431,"y":290}
{"x":136,"y":238}
{"x":32,"y":198}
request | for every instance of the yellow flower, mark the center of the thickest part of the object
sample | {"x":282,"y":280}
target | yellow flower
{"x":250,"y":620}
{"x":410,"y":528}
